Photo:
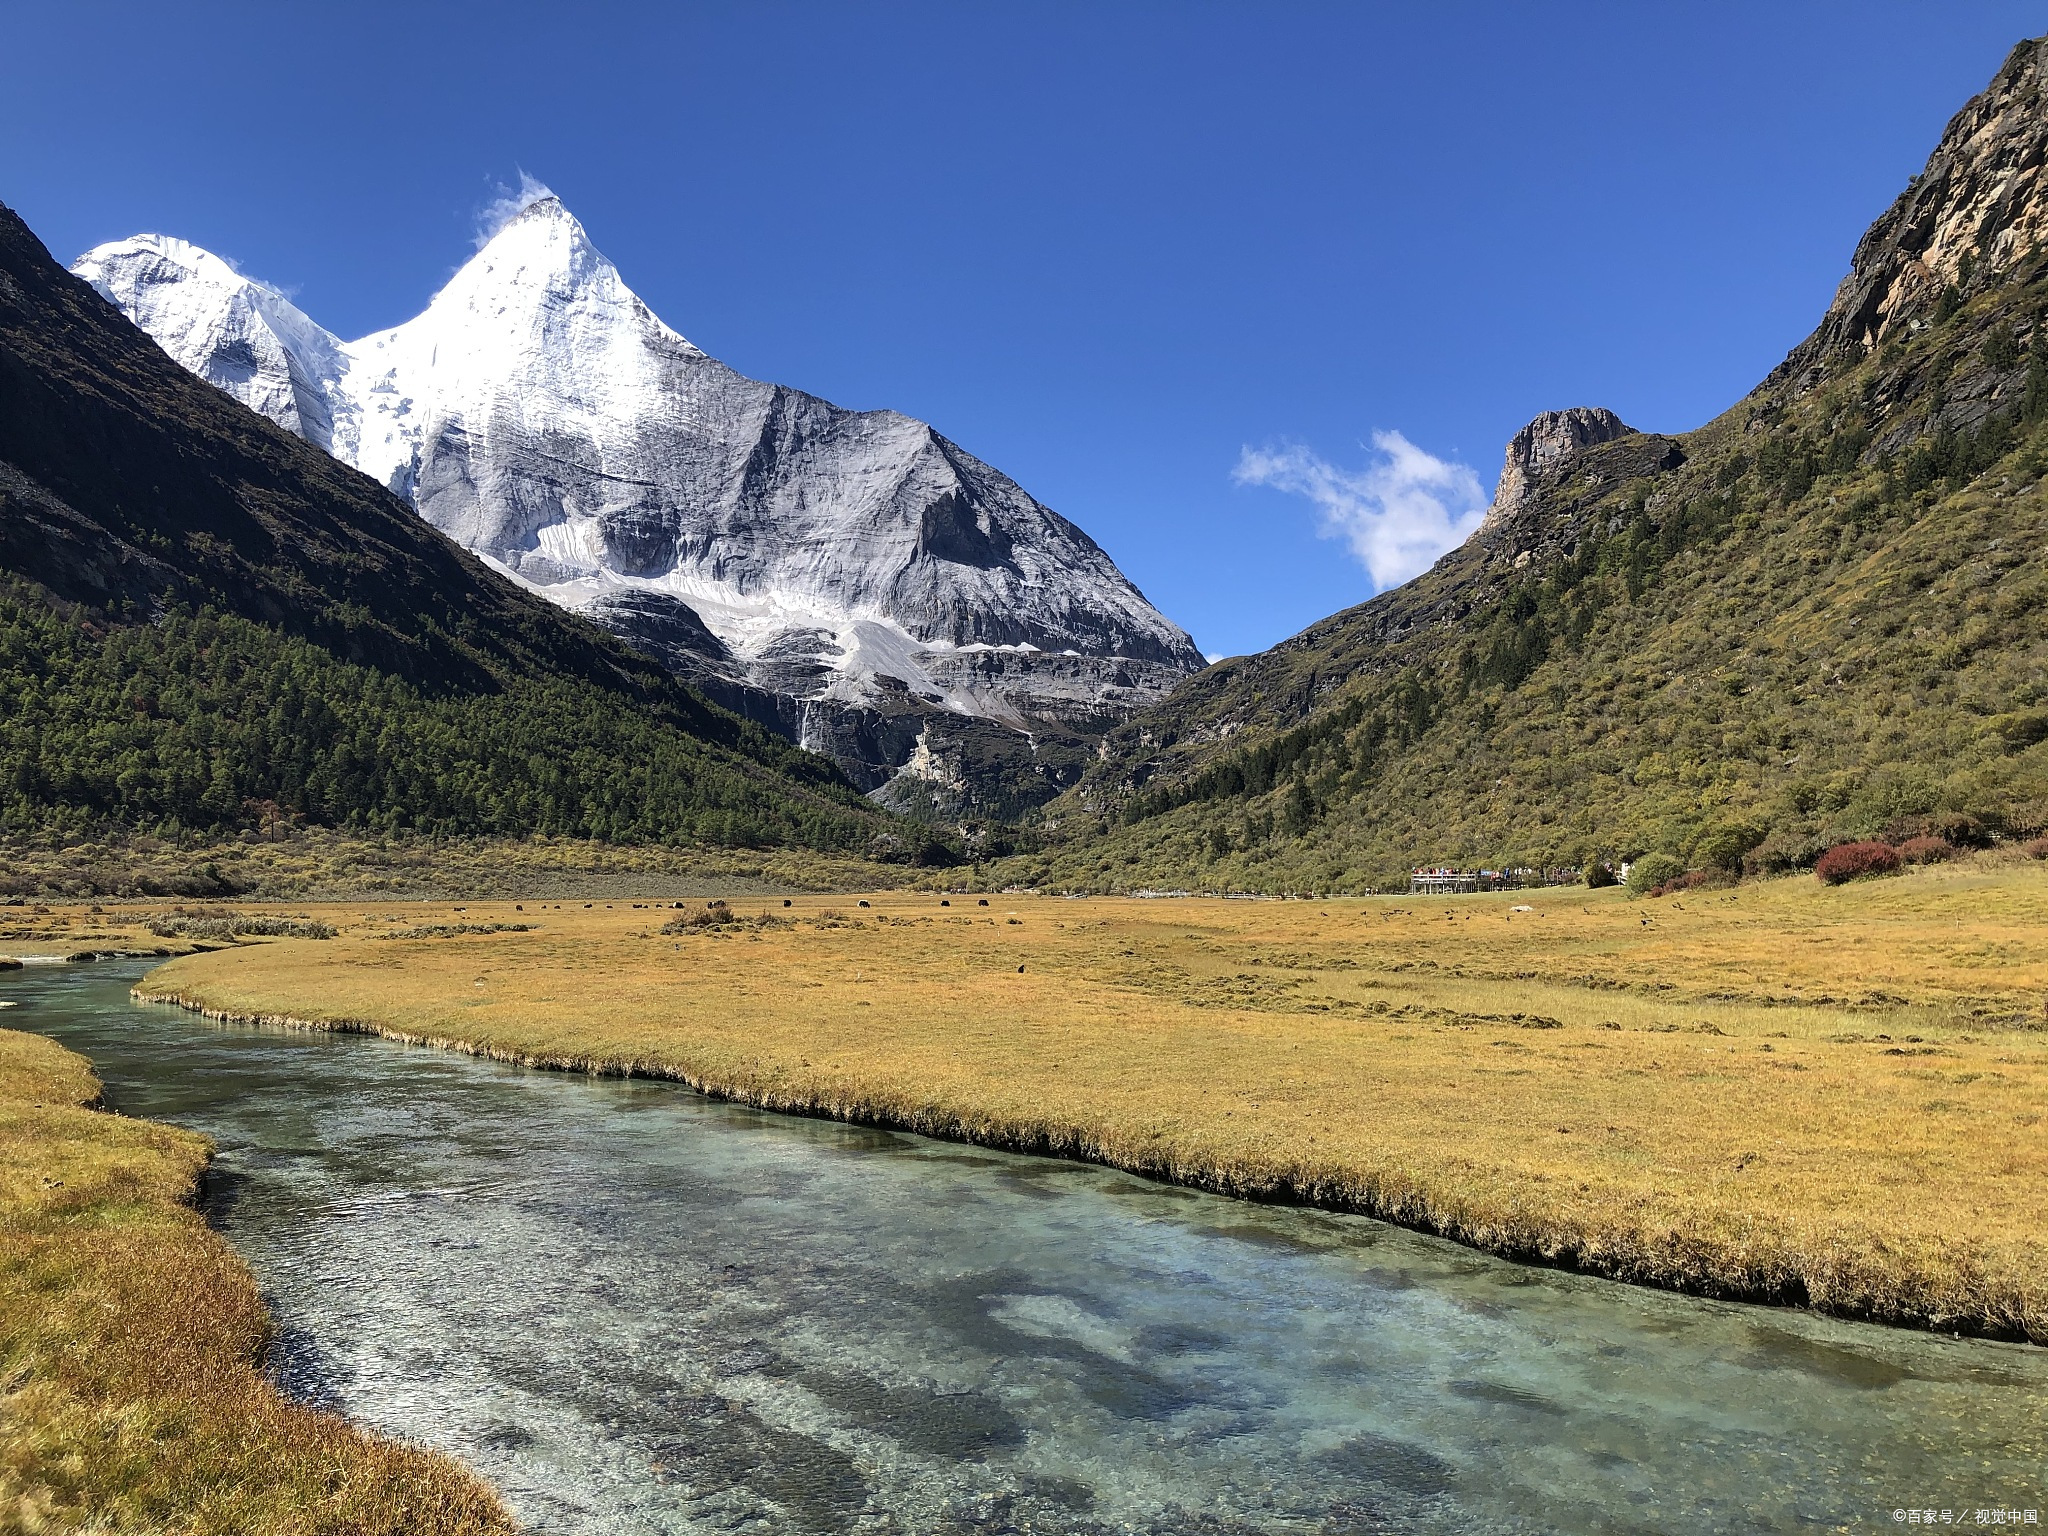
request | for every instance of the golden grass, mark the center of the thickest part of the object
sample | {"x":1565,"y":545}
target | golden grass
{"x":1786,"y":1092}
{"x":131,"y":1343}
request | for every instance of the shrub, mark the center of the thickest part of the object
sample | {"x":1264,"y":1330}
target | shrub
{"x":716,"y":914}
{"x":1951,"y":827}
{"x":2035,"y":848}
{"x":1780,"y":853}
{"x":228,"y":925}
{"x":1960,"y":831}
{"x":449,"y":930}
{"x":1926,"y":850}
{"x":1856,"y":861}
{"x":1599,"y":875}
{"x":1651,"y":871}
{"x":1724,"y":846}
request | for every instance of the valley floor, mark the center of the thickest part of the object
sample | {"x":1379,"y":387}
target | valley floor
{"x":1779,"y":1092}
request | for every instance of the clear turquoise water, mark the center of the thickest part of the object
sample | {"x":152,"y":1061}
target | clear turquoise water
{"x":635,"y":1309}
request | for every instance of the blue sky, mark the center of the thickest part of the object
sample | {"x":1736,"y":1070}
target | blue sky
{"x":1110,"y":248}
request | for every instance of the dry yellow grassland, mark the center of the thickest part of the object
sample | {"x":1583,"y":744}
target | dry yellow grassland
{"x":131,"y":1340}
{"x":1782,"y":1091}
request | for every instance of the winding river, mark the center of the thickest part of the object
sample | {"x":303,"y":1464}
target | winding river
{"x":638,"y":1310}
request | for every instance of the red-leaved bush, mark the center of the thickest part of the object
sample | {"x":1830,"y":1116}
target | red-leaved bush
{"x":1855,"y":861}
{"x":2035,"y":848}
{"x":1926,"y":850}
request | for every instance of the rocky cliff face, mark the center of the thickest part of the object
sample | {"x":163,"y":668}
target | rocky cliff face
{"x":1962,"y":223}
{"x":1558,"y":465}
{"x":824,"y":570}
{"x":1545,"y":445}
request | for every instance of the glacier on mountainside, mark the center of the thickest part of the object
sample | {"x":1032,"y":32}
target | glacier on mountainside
{"x":809,"y":560}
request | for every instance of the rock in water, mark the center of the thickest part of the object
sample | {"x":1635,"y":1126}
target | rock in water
{"x":849,"y":576}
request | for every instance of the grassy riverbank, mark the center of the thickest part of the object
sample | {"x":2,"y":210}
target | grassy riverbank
{"x":1777,"y":1092}
{"x":131,"y":1343}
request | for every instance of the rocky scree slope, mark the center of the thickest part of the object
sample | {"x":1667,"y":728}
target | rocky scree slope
{"x":851,"y":579}
{"x":1823,"y":615}
{"x":207,"y":623}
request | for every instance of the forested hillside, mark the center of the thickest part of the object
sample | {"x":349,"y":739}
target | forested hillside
{"x":206,"y":623}
{"x":1823,"y":615}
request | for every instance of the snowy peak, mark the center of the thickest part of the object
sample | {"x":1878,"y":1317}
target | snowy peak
{"x":544,"y":238}
{"x":238,"y":334}
{"x":541,"y":415}
{"x":536,"y":334}
{"x":541,"y":259}
{"x":158,"y":262}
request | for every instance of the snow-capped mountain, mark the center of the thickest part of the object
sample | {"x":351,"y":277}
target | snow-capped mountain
{"x":758,"y":538}
{"x":243,"y":336}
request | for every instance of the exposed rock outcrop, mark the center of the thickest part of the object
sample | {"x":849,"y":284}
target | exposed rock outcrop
{"x":1543,"y":447}
{"x":1976,"y":209}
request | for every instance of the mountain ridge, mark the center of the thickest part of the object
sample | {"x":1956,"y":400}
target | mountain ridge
{"x":1809,"y":619}
{"x":859,"y":572}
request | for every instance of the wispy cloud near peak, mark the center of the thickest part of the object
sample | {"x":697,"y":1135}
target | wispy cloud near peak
{"x":1398,"y":514}
{"x":506,"y":204}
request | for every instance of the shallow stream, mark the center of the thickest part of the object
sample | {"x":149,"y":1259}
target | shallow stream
{"x":635,"y":1309}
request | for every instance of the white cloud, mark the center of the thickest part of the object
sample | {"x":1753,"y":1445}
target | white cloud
{"x":1398,"y":514}
{"x":506,"y":204}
